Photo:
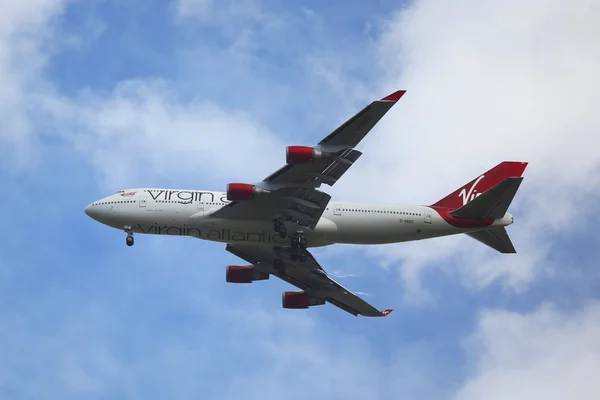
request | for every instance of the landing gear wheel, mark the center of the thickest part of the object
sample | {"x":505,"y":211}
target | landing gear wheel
{"x":298,"y":241}
{"x":298,"y":244}
{"x":129,"y":238}
{"x":279,"y":227}
{"x":296,"y":254}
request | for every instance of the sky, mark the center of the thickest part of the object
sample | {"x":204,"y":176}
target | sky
{"x":103,"y":95}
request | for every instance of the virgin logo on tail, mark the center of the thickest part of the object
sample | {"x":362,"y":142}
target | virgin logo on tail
{"x":472,"y":193}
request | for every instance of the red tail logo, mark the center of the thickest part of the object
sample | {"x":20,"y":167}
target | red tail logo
{"x":481,"y":184}
{"x":472,"y":193}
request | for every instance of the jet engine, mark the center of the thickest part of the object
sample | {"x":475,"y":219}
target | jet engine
{"x":243,"y":191}
{"x":303,"y":154}
{"x":244,"y":274}
{"x":297,"y":300}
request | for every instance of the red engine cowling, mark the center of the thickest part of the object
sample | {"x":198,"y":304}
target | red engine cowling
{"x":303,"y":154}
{"x":243,"y":191}
{"x":244,"y":274}
{"x":295,"y":300}
{"x":300,"y":300}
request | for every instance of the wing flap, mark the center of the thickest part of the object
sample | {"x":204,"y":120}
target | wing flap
{"x":317,"y":172}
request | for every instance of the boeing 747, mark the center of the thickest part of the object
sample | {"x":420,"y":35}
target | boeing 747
{"x":271,"y":224}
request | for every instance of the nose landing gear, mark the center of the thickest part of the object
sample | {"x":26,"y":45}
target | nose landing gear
{"x":129,"y":238}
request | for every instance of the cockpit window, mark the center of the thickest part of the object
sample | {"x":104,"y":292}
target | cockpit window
{"x":120,"y":191}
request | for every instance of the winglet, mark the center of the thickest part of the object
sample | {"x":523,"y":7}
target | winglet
{"x":384,"y":313}
{"x":394,"y":96}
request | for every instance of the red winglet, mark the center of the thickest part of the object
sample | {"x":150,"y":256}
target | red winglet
{"x":394,"y":96}
{"x":386,"y":312}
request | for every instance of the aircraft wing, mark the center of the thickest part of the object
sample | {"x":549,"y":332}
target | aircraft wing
{"x":293,"y":192}
{"x":343,"y":139}
{"x":308,"y":276}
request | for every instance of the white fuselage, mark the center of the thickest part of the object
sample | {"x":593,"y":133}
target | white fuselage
{"x":188,"y":213}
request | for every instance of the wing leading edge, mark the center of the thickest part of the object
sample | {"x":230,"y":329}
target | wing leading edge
{"x":308,"y":276}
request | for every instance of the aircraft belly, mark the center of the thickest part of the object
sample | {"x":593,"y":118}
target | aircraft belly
{"x":390,"y":230}
{"x":230,"y":231}
{"x":372,"y":231}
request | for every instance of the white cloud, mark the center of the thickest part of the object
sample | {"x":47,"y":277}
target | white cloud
{"x":143,"y":132}
{"x":141,"y":129}
{"x":488,"y":81}
{"x":58,"y":348}
{"x":544,"y":354}
{"x":24,"y":27}
{"x":245,"y":23}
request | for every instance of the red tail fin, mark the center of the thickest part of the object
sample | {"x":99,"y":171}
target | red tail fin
{"x":479,"y":185}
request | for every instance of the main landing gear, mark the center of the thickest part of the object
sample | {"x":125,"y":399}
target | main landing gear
{"x":279,"y":227}
{"x":129,"y":238}
{"x":298,"y":245}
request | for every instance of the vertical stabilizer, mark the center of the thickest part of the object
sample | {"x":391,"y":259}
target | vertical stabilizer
{"x":481,"y":184}
{"x":493,"y":203}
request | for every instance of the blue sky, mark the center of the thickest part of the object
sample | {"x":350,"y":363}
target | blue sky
{"x":105,"y":95}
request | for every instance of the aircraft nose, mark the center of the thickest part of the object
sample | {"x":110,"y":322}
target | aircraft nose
{"x":92,"y":211}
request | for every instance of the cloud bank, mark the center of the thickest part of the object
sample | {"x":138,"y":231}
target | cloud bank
{"x":178,"y":96}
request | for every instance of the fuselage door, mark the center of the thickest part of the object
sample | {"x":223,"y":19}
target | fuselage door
{"x":337,"y":209}
{"x":201,"y":207}
{"x":142,"y":201}
{"x":427,"y":215}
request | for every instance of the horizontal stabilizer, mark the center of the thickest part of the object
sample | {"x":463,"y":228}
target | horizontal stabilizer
{"x":493,"y":203}
{"x":496,"y":238}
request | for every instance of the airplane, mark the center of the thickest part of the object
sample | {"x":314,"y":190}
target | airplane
{"x":271,"y":224}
